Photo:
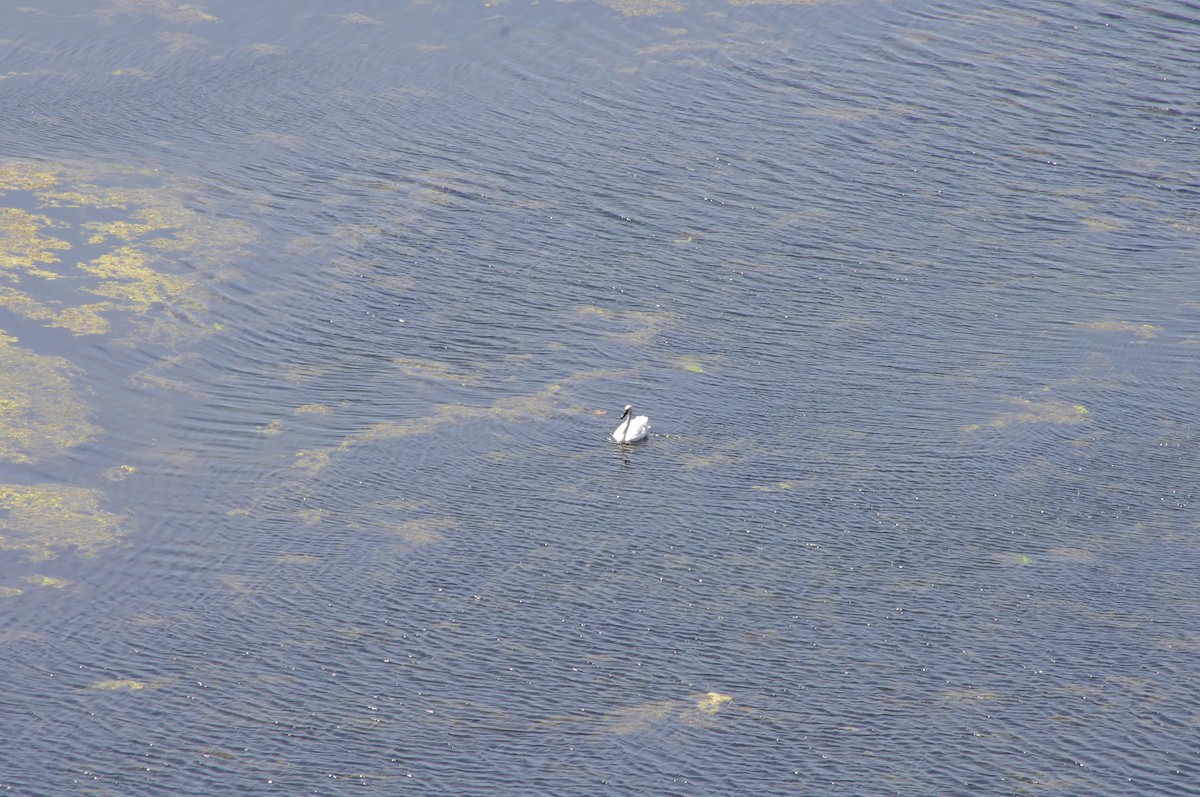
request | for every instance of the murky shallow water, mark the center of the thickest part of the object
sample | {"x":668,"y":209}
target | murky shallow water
{"x":319,"y":322}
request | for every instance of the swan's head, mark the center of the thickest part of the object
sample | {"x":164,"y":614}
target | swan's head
{"x":628,"y":410}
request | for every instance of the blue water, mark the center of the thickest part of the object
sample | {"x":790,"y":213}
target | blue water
{"x":906,"y":289}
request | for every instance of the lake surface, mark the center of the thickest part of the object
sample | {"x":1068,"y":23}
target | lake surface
{"x":316,"y":318}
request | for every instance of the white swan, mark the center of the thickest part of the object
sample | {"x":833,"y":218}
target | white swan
{"x":631,"y":429}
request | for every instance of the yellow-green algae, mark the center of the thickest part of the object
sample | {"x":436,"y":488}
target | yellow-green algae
{"x":357,"y":19}
{"x":164,"y":9}
{"x":297,"y":559}
{"x":644,"y":8}
{"x":119,"y":473}
{"x":25,"y":244}
{"x":958,"y":695}
{"x":313,"y":409}
{"x":44,"y":520}
{"x":697,"y":710}
{"x":47,"y":581}
{"x":40,"y":413}
{"x":129,"y":246}
{"x":312,"y":460}
{"x":1144,"y":331}
{"x":425,"y":531}
{"x":515,"y":408}
{"x":434,"y":370}
{"x":118,"y":684}
{"x":1054,"y":411}
{"x":771,"y":488}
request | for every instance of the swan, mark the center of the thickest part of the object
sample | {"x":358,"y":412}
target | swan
{"x":631,"y":429}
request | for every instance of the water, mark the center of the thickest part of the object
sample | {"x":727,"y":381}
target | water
{"x":306,"y":485}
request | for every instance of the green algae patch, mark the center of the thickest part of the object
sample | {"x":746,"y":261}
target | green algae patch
{"x":426,"y":531}
{"x":23,"y":176}
{"x":712,"y":702}
{"x":26,"y":247}
{"x":48,"y":581}
{"x":297,"y":559}
{"x":435,"y":371}
{"x":163,"y":9}
{"x":698,"y":710}
{"x":118,"y":685}
{"x":138,"y":227}
{"x":960,"y":695}
{"x":271,"y":428}
{"x":312,"y":460}
{"x":125,"y":274}
{"x":1052,"y":411}
{"x":44,"y":520}
{"x":357,"y":19}
{"x":119,"y":473}
{"x":517,"y":409}
{"x":644,"y":8}
{"x":1143,"y":331}
{"x":772,"y":488}
{"x":40,"y":413}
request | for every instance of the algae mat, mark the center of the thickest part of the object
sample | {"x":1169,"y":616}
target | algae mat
{"x":88,"y":250}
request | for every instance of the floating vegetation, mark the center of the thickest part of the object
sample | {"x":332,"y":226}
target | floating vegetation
{"x":42,"y":520}
{"x":136,"y":221}
{"x":425,"y":531}
{"x":1096,"y":224}
{"x":1144,"y":331}
{"x":434,"y":370}
{"x":48,"y":581}
{"x":26,"y":247}
{"x":297,"y":559}
{"x":1078,"y":555}
{"x":116,"y":685}
{"x":697,"y":710}
{"x":272,"y":428}
{"x":644,"y":8}
{"x":311,"y":516}
{"x":357,"y":19}
{"x":635,"y":327}
{"x":513,"y":408}
{"x":1047,"y":411}
{"x":958,"y":695}
{"x":164,"y":9}
{"x":312,"y":409}
{"x":728,"y":452}
{"x":118,"y":473}
{"x":712,"y":701}
{"x":40,"y":413}
{"x":312,"y":460}
{"x":1019,"y":559}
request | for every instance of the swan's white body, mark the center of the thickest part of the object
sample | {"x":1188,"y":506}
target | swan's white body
{"x":631,"y":429}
